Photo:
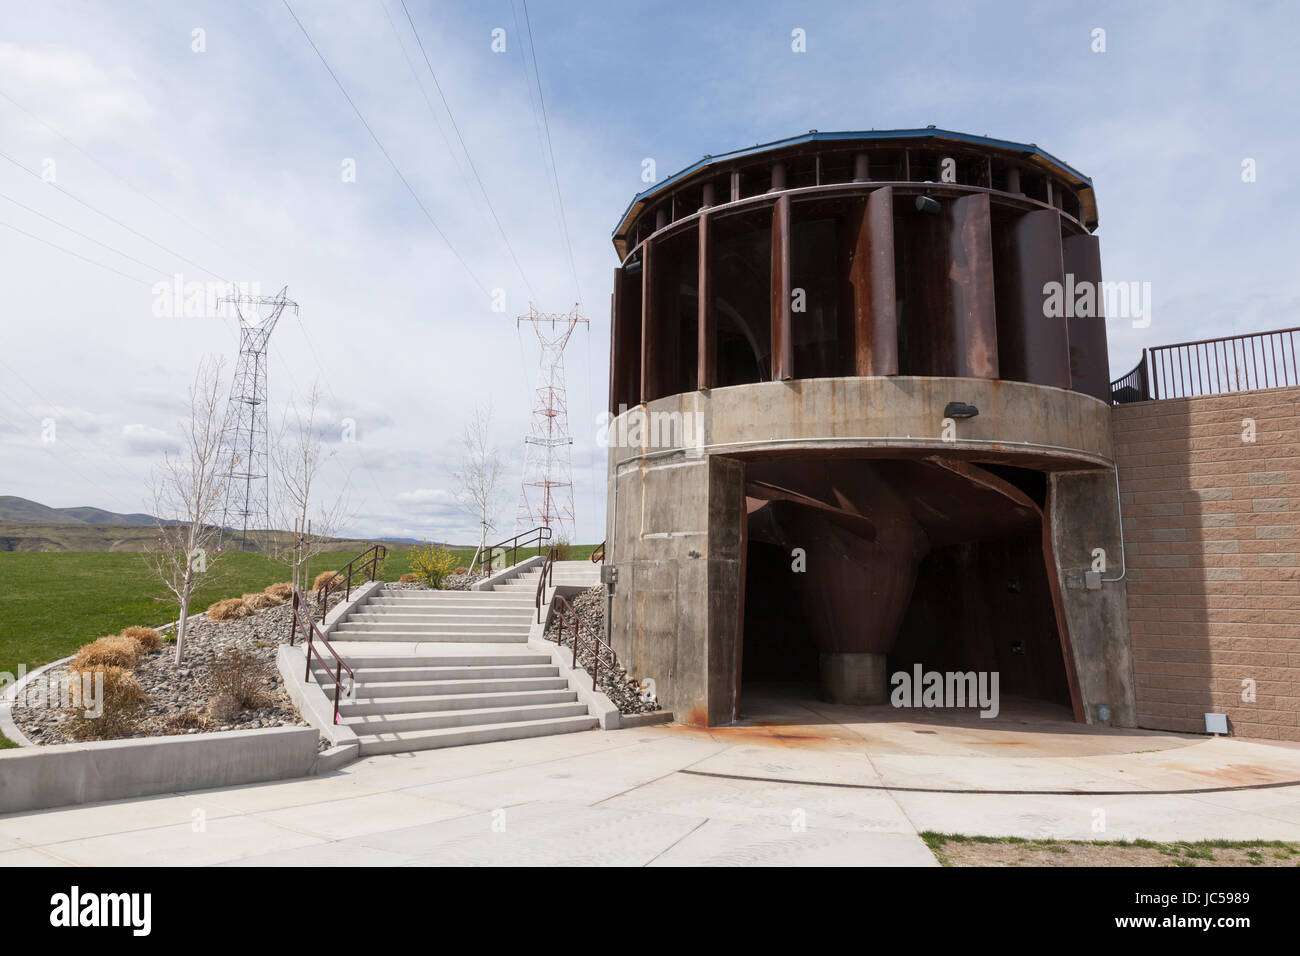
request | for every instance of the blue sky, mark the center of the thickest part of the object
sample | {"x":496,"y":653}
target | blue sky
{"x":233,"y":157}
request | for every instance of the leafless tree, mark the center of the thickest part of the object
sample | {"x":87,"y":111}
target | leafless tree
{"x":297,"y":456}
{"x":478,"y":477}
{"x":189,"y":490}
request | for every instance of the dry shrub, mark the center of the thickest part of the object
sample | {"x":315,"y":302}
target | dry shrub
{"x":240,"y":676}
{"x":281,"y":592}
{"x":324,"y":576}
{"x":114,"y":693}
{"x":229,"y":610}
{"x":188,"y":720}
{"x":259,"y":600}
{"x":149,"y":639}
{"x":408,"y":579}
{"x":113,"y":651}
{"x":224,"y":709}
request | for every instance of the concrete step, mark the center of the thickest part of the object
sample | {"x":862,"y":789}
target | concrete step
{"x":401,"y":615}
{"x":463,"y":597}
{"x":419,"y":636}
{"x":471,"y":717}
{"x":453,"y":659}
{"x":456,"y":628}
{"x":368,"y":676}
{"x":459,"y":736}
{"x":435,"y":688}
{"x":427,"y":703}
{"x":479,"y":598}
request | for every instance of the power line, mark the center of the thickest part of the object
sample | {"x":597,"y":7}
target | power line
{"x":59,"y":133}
{"x":111,"y":219}
{"x":398,"y":171}
{"x":37,"y":212}
{"x":473,"y":168}
{"x":76,"y":254}
{"x":433,"y":114}
{"x":555,"y":172}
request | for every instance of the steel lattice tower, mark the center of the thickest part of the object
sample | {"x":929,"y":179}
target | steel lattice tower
{"x":248,"y":499}
{"x":546,"y":492}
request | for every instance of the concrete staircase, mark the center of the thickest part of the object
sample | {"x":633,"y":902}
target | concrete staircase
{"x":445,"y":668}
{"x":569,"y":575}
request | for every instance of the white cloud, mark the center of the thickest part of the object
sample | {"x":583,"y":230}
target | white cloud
{"x":75,"y":92}
{"x":147,"y":440}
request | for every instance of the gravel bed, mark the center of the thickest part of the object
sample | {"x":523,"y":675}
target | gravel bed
{"x":623,"y":690}
{"x":177,"y":697}
{"x":455,"y":582}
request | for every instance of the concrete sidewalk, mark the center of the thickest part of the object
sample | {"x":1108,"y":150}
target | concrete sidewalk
{"x":831,"y":788}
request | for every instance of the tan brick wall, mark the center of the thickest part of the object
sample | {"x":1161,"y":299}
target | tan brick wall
{"x":1212,"y":540}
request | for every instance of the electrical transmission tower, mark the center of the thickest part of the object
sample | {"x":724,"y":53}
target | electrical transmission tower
{"x":248,"y":498}
{"x":546,"y":492}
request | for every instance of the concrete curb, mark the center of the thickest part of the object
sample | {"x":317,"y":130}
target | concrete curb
{"x":499,"y":577}
{"x":7,"y":725}
{"x":38,"y":778}
{"x":646,"y":720}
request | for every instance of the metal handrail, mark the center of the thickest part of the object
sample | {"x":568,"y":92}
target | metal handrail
{"x":512,"y":544}
{"x":561,"y":606}
{"x":545,"y":578}
{"x":1230,"y":363}
{"x":598,"y":555}
{"x":1132,"y":386}
{"x":342,"y":578}
{"x":311,"y":636}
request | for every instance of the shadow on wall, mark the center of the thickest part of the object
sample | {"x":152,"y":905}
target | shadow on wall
{"x":1208,"y":491}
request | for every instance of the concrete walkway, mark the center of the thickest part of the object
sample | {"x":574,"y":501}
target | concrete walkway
{"x":801,"y":784}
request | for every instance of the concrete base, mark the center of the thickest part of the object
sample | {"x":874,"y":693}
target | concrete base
{"x":36,"y":778}
{"x":855,"y":678}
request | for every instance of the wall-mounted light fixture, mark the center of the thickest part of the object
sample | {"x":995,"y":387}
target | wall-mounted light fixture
{"x":928,"y":204}
{"x":959,"y":410}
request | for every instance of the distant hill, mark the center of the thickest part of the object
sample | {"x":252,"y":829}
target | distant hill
{"x":13,"y":508}
{"x":31,"y":526}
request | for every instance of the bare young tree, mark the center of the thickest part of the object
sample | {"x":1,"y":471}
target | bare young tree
{"x":297,"y":455}
{"x":478,"y":477}
{"x":189,"y":490}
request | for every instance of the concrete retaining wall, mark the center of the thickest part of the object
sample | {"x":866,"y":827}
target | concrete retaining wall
{"x":37,"y":778}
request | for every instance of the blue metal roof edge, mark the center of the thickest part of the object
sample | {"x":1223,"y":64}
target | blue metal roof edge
{"x":1028,"y":149}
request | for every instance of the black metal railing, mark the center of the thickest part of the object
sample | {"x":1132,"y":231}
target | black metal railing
{"x":1233,"y":363}
{"x":567,"y":616}
{"x":524,"y":539}
{"x":304,"y":626}
{"x":543,"y":581}
{"x":366,"y":563}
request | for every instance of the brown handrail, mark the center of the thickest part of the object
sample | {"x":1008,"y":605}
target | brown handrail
{"x":512,"y":544}
{"x":311,"y":635}
{"x":561,"y":606}
{"x":342,"y":578}
{"x":546,"y":577}
{"x":598,"y":555}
